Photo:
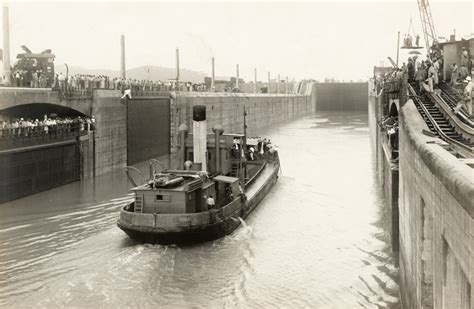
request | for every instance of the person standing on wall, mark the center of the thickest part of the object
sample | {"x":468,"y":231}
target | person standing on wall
{"x":436,"y":73}
{"x":430,"y":79}
{"x":454,"y":74}
{"x":467,"y":98}
{"x":420,"y":77}
{"x":464,"y":57}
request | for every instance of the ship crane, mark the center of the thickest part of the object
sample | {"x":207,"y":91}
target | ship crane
{"x":429,"y":31}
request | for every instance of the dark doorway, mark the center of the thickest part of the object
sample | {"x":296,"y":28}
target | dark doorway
{"x":148,"y":129}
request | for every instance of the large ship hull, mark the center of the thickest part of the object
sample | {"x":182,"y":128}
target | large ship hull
{"x":199,"y":227}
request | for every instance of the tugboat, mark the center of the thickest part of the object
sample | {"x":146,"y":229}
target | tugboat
{"x":220,"y":179}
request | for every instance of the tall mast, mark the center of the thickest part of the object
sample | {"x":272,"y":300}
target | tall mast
{"x":243,"y":170}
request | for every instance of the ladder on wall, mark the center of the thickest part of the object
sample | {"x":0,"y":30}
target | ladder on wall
{"x":139,"y":203}
{"x":234,"y":170}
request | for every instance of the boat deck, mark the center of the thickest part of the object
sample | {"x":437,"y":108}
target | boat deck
{"x":253,"y":188}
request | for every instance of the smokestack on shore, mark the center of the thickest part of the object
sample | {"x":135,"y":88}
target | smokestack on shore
{"x":122,"y":56}
{"x":212,"y":76}
{"x":6,"y":46}
{"x":199,"y":136}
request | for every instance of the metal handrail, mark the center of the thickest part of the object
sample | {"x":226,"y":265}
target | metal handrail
{"x":462,"y":115}
{"x":435,"y":124}
{"x":464,"y":127}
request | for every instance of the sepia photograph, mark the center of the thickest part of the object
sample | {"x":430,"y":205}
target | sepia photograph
{"x":237,"y":154}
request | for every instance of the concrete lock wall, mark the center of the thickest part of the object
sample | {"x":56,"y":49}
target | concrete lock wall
{"x":226,"y":109}
{"x":387,"y":170}
{"x":111,"y":131}
{"x":104,"y":150}
{"x":436,"y":221}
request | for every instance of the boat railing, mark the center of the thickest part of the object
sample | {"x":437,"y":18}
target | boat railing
{"x":252,"y":179}
{"x":231,"y":208}
{"x":173,"y":221}
{"x":165,"y":221}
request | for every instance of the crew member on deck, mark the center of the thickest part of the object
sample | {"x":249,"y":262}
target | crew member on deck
{"x":210,"y":202}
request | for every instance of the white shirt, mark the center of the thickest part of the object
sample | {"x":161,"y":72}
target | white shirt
{"x":468,"y":89}
{"x":210,"y":201}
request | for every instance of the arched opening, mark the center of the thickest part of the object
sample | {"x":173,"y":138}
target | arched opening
{"x":41,"y":123}
{"x":38,"y":111}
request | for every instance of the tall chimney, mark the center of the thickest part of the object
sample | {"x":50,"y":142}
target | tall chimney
{"x":237,"y":71}
{"x":286,"y":85}
{"x":122,"y":56}
{"x":183,"y":134}
{"x":218,"y":130}
{"x":255,"y":81}
{"x":177,"y":68}
{"x":212,"y":76}
{"x":6,"y":46}
{"x":199,"y":136}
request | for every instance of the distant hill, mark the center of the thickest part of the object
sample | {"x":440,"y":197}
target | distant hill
{"x":143,"y":72}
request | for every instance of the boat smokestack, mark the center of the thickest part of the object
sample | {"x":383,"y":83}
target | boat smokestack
{"x":183,"y":134}
{"x":218,"y":130}
{"x":199,"y":136}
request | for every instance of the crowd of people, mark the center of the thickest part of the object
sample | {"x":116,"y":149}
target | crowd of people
{"x":31,"y":79}
{"x":257,"y":148}
{"x":27,"y":127}
{"x":390,"y":127}
{"x":427,"y":75}
{"x":81,"y":83}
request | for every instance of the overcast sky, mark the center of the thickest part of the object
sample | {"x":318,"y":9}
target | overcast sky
{"x":301,"y":40}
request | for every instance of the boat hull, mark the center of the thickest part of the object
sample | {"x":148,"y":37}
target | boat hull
{"x":217,"y":226}
{"x":206,"y":233}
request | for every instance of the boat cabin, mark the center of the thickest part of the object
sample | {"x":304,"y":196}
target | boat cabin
{"x":179,"y":192}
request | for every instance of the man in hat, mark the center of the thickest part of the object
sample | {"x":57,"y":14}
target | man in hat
{"x":467,"y":98}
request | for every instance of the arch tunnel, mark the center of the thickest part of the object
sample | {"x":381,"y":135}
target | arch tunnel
{"x":38,"y":111}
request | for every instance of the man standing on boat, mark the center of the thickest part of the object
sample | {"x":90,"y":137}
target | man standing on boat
{"x":210,"y":202}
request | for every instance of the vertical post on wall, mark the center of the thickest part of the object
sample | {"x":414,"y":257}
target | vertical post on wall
{"x":212,"y":75}
{"x":237,"y":73}
{"x":268,"y":90}
{"x":6,"y":46}
{"x":122,"y":56}
{"x":255,"y":80}
{"x":286,"y":86}
{"x":398,"y":46}
{"x":177,"y":69}
{"x":278,"y":84}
